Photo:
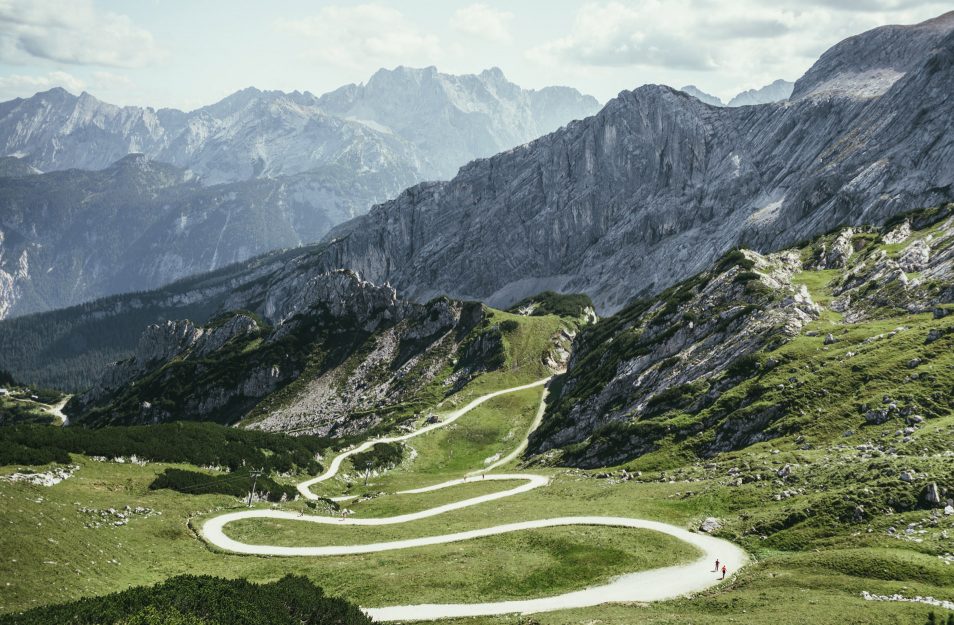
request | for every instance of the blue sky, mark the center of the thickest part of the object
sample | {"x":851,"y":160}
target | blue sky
{"x":190,"y":53}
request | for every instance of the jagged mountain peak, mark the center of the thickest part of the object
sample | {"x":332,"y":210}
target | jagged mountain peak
{"x":54,"y":93}
{"x":775,"y":91}
{"x":868,"y":64}
{"x":494,"y":73}
{"x":448,"y":115}
{"x":702,"y":96}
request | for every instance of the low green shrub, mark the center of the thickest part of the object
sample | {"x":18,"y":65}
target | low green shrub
{"x":237,"y":484}
{"x":553,"y":303}
{"x":203,"y":444}
{"x":203,"y":600}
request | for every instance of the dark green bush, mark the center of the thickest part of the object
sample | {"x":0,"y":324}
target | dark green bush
{"x":508,"y":325}
{"x":380,"y":456}
{"x":203,"y":600}
{"x":202,"y":444}
{"x":734,"y":258}
{"x":553,"y":303}
{"x":237,"y":484}
{"x":743,"y":366}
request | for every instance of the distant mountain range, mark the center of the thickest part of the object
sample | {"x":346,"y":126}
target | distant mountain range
{"x":257,"y":171}
{"x":657,"y":185}
{"x":775,"y":92}
{"x":621,"y":205}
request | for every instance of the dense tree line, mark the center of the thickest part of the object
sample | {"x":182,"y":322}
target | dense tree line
{"x":67,"y":349}
{"x":203,"y":600}
{"x":237,"y":484}
{"x":203,"y":444}
{"x":6,"y":379}
{"x":552,"y":303}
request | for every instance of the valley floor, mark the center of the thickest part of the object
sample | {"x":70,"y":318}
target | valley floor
{"x":68,"y":541}
{"x":652,"y":585}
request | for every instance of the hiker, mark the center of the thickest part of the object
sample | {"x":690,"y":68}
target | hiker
{"x":717,"y":565}
{"x":723,"y":571}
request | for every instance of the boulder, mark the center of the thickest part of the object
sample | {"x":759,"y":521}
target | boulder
{"x":841,"y":250}
{"x":916,"y":256}
{"x":710,"y":524}
{"x":876,"y":417}
{"x":898,"y":234}
{"x":931,"y":495}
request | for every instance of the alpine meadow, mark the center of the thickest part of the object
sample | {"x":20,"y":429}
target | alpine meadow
{"x":416,"y":329}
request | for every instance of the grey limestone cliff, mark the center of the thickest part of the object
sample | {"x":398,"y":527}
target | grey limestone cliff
{"x":658,"y":185}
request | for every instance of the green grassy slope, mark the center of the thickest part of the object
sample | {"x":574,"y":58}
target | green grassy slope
{"x":830,"y":504}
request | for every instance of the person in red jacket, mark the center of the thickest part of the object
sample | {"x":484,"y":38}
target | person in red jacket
{"x":723,"y":571}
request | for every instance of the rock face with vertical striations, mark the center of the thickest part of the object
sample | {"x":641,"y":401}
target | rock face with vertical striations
{"x":658,"y":185}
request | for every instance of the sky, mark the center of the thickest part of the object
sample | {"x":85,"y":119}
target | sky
{"x":188,"y":53}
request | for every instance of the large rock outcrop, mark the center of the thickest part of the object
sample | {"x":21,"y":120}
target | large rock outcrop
{"x":742,"y":353}
{"x":661,"y":353}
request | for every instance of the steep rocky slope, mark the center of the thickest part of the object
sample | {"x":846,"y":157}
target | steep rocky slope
{"x":70,"y":236}
{"x":658,"y":185}
{"x":68,"y":348}
{"x":257,"y":171}
{"x":67,"y":237}
{"x":848,"y":333}
{"x":334,"y":355}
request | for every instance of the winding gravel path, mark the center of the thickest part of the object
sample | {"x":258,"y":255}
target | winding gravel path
{"x":652,"y":585}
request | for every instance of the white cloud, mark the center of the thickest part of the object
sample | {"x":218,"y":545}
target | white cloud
{"x":722,"y":47}
{"x":74,"y":32}
{"x":110,"y":80}
{"x":616,"y":35}
{"x":16,"y":85}
{"x":359,"y":35}
{"x":483,"y":21}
